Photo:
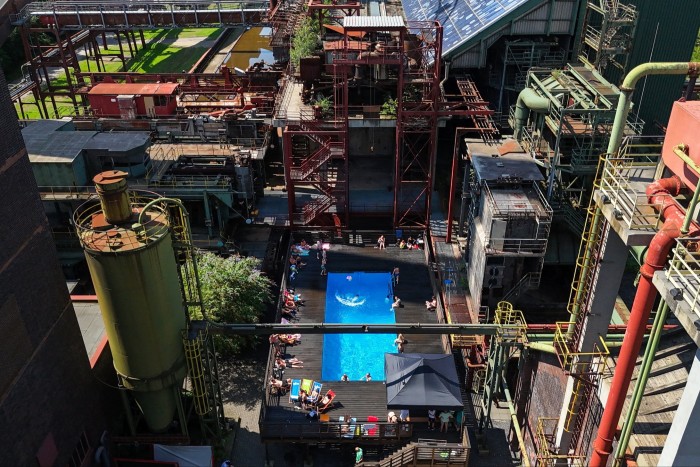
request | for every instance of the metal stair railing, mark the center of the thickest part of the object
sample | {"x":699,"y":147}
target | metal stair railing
{"x":529,"y":281}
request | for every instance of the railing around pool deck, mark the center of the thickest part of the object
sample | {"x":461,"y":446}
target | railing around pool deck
{"x":334,"y":430}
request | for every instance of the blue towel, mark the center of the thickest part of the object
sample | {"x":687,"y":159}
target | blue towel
{"x":294,"y":391}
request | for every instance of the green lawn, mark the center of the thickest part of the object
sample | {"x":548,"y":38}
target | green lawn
{"x":156,"y":57}
{"x":183,"y":33}
{"x":162,"y":58}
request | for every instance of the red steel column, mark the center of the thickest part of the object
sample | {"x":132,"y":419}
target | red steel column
{"x":660,"y":193}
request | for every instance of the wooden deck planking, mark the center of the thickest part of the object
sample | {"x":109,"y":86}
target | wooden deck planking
{"x":355,"y":398}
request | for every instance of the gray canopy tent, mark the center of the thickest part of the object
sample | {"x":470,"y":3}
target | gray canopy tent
{"x":426,"y":381}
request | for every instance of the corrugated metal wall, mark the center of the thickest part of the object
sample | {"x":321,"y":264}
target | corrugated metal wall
{"x":666,"y":32}
{"x":548,"y":18}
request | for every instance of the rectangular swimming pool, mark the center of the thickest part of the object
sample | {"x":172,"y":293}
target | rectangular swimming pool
{"x":360,"y":298}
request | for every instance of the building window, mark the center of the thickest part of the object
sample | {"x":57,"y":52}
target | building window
{"x":161,"y":101}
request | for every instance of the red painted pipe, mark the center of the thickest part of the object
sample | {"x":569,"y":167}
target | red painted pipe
{"x":659,"y":193}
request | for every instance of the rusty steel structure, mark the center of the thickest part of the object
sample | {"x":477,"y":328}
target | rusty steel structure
{"x":316,"y":144}
{"x":75,"y":25}
{"x":330,"y":11}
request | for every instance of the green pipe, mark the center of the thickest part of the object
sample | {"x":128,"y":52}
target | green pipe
{"x":627,"y":88}
{"x":528,"y":100}
{"x":640,"y":385}
{"x":516,"y":426}
{"x":689,"y":212}
{"x":542,"y":347}
{"x":549,"y":348}
{"x":639,"y":253}
{"x":547,"y":338}
{"x":680,"y":151}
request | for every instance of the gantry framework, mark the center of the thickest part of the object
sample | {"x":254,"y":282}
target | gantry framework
{"x":79,"y":24}
{"x":142,"y":14}
{"x":569,"y":133}
{"x":316,"y":143}
{"x":608,"y":33}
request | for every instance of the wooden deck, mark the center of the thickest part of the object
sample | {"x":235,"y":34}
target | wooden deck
{"x":358,"y":399}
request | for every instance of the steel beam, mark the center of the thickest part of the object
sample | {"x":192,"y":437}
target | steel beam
{"x":325,"y":328}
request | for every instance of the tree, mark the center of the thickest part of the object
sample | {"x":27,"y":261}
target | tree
{"x":233,"y":291}
{"x":304,"y":41}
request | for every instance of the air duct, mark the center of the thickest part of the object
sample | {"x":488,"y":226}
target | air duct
{"x":528,"y":100}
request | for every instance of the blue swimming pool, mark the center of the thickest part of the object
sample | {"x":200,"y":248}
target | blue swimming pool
{"x":358,"y":297}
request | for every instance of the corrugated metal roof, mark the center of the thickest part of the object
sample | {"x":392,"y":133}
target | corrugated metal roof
{"x":149,"y":89}
{"x":375,"y":22}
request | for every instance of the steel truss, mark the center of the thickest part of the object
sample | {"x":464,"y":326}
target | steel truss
{"x":78,"y":15}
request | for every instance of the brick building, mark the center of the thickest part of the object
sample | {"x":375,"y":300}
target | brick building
{"x":50,"y":412}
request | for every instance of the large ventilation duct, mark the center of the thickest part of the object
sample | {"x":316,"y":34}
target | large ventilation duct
{"x":528,"y":100}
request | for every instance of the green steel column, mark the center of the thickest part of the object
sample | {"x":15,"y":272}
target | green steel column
{"x":207,"y":213}
{"x":640,"y":385}
{"x":516,"y":427}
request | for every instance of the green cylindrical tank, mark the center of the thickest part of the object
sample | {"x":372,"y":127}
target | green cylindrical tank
{"x":114,"y":199}
{"x":134,"y":272}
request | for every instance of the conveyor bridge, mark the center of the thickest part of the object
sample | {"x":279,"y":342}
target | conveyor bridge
{"x":142,"y":14}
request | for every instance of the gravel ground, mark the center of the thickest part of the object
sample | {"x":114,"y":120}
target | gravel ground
{"x":242,"y":382}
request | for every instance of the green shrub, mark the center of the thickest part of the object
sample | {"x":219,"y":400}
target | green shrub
{"x":389,"y":108}
{"x":304,"y":41}
{"x":233,"y":291}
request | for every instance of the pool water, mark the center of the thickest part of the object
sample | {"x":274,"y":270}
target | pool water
{"x":360,"y":298}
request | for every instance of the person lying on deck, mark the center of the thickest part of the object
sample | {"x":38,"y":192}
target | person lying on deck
{"x":278,"y":383}
{"x":289,"y":339}
{"x":295,"y":299}
{"x":431,"y":305}
{"x":289,"y":314}
{"x":284,"y":363}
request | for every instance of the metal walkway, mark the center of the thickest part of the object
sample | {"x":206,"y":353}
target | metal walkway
{"x":143,"y":14}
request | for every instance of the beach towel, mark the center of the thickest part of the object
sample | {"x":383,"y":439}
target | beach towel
{"x":306,"y":385}
{"x":294,"y":391}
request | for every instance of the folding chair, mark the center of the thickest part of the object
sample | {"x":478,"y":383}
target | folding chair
{"x":327,"y":401}
{"x":370,"y":429}
{"x":306,"y":385}
{"x":315,"y":393}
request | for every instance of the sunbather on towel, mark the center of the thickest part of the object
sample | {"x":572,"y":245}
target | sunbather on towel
{"x":278,"y":383}
{"x":290,"y":339}
{"x":283,"y":363}
{"x":314,"y":394}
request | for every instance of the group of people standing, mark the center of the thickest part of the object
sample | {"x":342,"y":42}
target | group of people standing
{"x":403,"y":244}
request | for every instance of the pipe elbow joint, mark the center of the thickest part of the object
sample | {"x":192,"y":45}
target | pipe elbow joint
{"x":671,"y":185}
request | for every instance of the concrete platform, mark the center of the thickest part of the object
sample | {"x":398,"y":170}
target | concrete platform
{"x":631,"y":236}
{"x":686,"y":313}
